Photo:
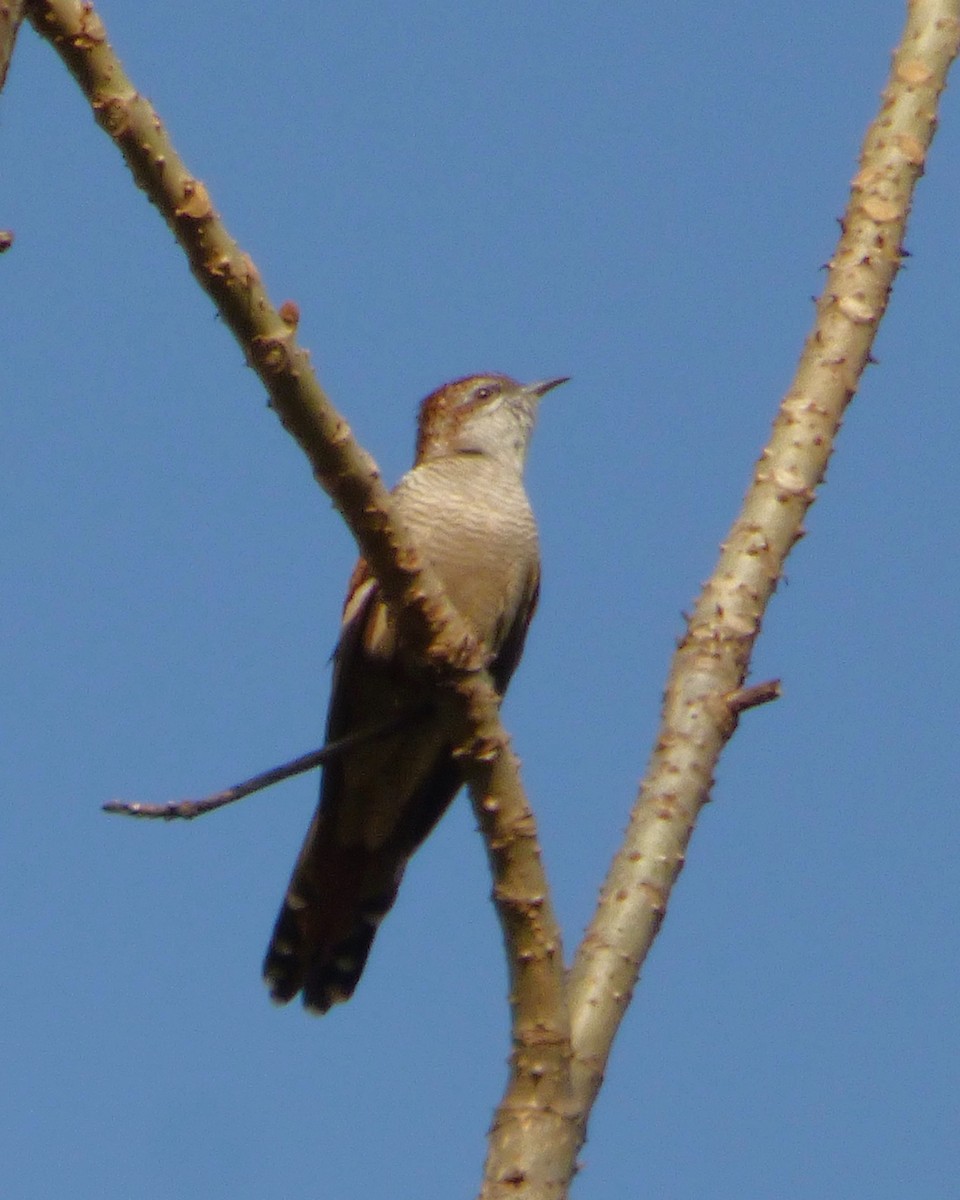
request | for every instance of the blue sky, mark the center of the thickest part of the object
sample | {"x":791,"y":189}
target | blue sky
{"x":640,"y":197}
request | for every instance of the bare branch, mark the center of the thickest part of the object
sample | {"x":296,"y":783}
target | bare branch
{"x":533,"y":1135}
{"x":432,"y":630}
{"x":703,"y":693}
{"x":188,"y":809}
{"x":267,"y":336}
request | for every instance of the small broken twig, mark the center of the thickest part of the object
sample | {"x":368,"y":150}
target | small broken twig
{"x":186,"y":810}
{"x":750,"y":697}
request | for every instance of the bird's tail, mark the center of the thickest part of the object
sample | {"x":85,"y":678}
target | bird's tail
{"x":336,"y":900}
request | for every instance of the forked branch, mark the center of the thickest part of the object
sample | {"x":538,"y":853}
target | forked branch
{"x":542,"y":1120}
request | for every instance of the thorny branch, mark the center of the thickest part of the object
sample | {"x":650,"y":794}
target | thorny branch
{"x":703,"y":695}
{"x":432,"y":631}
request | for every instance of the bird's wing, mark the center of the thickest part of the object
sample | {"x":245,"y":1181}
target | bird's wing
{"x":378,"y":801}
{"x":510,"y":640}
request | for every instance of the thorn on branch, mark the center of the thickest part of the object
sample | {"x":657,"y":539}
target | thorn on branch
{"x":290,"y":313}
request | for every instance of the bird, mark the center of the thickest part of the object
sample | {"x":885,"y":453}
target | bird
{"x":395,"y":773}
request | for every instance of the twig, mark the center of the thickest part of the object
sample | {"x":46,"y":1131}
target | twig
{"x":753,"y":696}
{"x":188,"y":809}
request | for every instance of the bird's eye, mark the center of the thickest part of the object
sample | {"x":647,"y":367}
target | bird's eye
{"x":485,"y":392}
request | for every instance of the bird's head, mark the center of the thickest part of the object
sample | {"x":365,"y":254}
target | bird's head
{"x":481,"y":414}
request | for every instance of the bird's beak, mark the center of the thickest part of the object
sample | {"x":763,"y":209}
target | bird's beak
{"x":545,"y":385}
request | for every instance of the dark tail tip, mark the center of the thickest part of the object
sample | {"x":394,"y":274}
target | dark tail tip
{"x":327,"y":975}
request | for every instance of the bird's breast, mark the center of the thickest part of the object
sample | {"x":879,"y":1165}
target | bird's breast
{"x":472,"y":520}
